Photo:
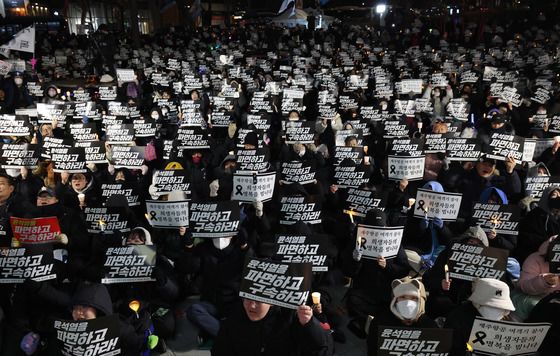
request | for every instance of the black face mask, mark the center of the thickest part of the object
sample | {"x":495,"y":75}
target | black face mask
{"x":49,"y":210}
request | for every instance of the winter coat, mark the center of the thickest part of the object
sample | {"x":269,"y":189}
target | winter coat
{"x":536,"y":227}
{"x":278,"y":334}
{"x":461,"y":321}
{"x":535,"y":266}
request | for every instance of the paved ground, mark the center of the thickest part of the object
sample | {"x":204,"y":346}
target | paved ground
{"x":184,"y":343}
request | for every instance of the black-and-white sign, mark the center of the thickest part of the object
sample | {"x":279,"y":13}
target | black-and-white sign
{"x":106,"y":220}
{"x":351,"y":176}
{"x":129,"y":264}
{"x":130,"y":190}
{"x":554,"y":257}
{"x":11,"y":125}
{"x":95,"y":337}
{"x":120,"y":134}
{"x":378,"y":241}
{"x":431,"y":204}
{"x":299,"y":132}
{"x":503,"y":146}
{"x":394,"y":341}
{"x":489,"y":337}
{"x":463,"y":149}
{"x":16,"y":156}
{"x":298,"y":208}
{"x":213,"y":220}
{"x":168,"y":181}
{"x":535,"y":186}
{"x":94,"y":150}
{"x":167,"y":214}
{"x":356,"y":154}
{"x":68,"y":159}
{"x":107,"y":93}
{"x":32,"y":262}
{"x":252,"y":160}
{"x":301,"y":249}
{"x":359,"y":202}
{"x":281,"y":284}
{"x":411,"y":168}
{"x":131,"y":157}
{"x":498,"y":218}
{"x":252,"y":187}
{"x":298,"y":172}
{"x":468,"y":262}
{"x":193,"y":138}
{"x":144,"y":128}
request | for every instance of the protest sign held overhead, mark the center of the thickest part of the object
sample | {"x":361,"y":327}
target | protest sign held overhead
{"x":129,"y":264}
{"x":378,"y":241}
{"x":167,"y":214}
{"x":431,"y":204}
{"x":468,"y":262}
{"x":252,"y":187}
{"x":214,"y":220}
{"x":302,"y":249}
{"x":282,"y":284}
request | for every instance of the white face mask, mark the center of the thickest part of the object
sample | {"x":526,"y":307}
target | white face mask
{"x":12,"y":172}
{"x":408,"y":308}
{"x":221,"y":243}
{"x":155,"y":116}
{"x":491,"y":312}
{"x":18,"y":81}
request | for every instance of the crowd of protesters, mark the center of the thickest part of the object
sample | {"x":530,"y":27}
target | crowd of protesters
{"x":340,"y":71}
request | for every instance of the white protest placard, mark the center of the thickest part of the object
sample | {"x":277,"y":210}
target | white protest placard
{"x":167,"y":214}
{"x":378,"y":241}
{"x":490,"y":337}
{"x":431,"y":204}
{"x":411,"y":168}
{"x":252,"y":187}
{"x":411,"y":85}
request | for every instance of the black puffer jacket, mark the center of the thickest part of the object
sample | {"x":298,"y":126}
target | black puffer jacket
{"x":278,"y":334}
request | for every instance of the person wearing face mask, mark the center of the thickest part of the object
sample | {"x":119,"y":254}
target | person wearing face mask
{"x":541,"y":223}
{"x":219,"y":262}
{"x":405,"y":310}
{"x":536,"y":281}
{"x":17,"y":95}
{"x":51,"y":95}
{"x":490,"y":299}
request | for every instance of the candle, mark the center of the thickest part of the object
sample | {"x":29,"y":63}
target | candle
{"x":495,"y":223}
{"x":316,"y":296}
{"x":82,"y":198}
{"x":351,"y":213}
{"x":446,"y":273}
{"x":102,"y":225}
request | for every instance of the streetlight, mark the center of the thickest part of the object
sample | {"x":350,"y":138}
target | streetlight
{"x":381,"y":9}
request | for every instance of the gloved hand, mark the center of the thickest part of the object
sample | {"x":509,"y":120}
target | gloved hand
{"x":214,"y":186}
{"x":62,"y":238}
{"x":29,"y":343}
{"x":92,"y":167}
{"x":153,"y":341}
{"x":258,"y":208}
{"x":357,"y":254}
{"x":437,"y":222}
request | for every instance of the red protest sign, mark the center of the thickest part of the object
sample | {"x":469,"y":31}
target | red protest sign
{"x":35,"y":231}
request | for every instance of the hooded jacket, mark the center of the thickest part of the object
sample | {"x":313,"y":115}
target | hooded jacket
{"x":536,"y":227}
{"x":532,"y":274}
